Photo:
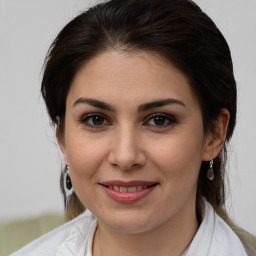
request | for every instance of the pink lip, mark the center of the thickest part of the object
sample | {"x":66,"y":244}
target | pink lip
{"x":131,"y":183}
{"x":128,"y":197}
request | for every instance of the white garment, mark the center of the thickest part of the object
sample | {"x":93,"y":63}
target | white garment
{"x":213,"y":238}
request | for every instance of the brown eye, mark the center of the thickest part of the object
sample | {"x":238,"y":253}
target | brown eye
{"x":95,"y":120}
{"x":159,"y":120}
{"x":98,"y":120}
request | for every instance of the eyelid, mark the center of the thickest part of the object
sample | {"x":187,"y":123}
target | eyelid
{"x":86,"y":117}
{"x":169,"y":117}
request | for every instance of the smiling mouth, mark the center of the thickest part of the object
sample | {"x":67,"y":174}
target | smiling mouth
{"x":128,"y":192}
{"x":131,"y":189}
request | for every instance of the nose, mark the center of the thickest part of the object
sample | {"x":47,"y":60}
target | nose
{"x":126,"y":150}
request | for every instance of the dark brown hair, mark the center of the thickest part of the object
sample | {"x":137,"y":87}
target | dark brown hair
{"x":177,"y":30}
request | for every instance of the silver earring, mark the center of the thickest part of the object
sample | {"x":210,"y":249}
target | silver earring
{"x":68,"y":180}
{"x":210,"y":172}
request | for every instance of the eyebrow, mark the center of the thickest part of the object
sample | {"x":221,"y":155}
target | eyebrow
{"x":141,"y":108}
{"x":159,"y":103}
{"x":94,"y":103}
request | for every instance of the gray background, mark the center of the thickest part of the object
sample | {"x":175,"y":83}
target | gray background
{"x":30,"y":158}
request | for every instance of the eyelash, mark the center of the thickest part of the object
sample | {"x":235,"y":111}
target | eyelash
{"x":166,"y":117}
{"x":85,"y":120}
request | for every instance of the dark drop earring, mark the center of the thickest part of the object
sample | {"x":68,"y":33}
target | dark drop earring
{"x":68,"y":180}
{"x":210,"y":172}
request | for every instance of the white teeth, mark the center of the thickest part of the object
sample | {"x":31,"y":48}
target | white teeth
{"x":123,"y":189}
{"x":116,"y":188}
{"x":128,"y":189}
{"x":132,"y":189}
{"x":139,"y":188}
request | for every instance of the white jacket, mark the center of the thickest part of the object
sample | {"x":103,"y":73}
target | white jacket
{"x":213,"y":238}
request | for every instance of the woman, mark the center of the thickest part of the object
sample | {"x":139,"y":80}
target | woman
{"x":144,"y":100}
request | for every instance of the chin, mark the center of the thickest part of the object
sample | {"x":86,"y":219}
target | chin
{"x":131,"y":223}
{"x":129,"y":227}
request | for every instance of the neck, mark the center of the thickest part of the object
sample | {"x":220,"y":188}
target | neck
{"x":173,"y":236}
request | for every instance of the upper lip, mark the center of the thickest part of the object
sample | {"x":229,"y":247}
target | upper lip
{"x":132,"y":183}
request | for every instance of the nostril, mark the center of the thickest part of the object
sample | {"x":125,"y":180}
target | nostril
{"x":127,"y":159}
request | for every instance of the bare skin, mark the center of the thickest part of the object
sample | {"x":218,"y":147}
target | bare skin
{"x":134,"y":118}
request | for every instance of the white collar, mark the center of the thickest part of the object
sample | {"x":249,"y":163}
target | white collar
{"x":213,"y":238}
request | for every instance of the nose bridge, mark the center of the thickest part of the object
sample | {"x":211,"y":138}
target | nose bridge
{"x":126,"y":151}
{"x":127,"y":141}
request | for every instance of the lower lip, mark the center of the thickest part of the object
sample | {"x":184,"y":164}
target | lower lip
{"x":128,"y":197}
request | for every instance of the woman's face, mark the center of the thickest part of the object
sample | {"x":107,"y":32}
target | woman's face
{"x":134,"y":141}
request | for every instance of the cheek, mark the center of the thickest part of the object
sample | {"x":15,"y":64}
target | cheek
{"x":85,"y":155}
{"x":178,"y":157}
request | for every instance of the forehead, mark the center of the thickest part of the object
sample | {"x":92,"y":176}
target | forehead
{"x":116,"y":75}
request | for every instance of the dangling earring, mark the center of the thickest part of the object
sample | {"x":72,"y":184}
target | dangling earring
{"x":210,"y":172}
{"x":68,"y":180}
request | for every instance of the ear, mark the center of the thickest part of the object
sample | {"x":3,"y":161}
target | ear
{"x":215,"y":139}
{"x":60,"y":139}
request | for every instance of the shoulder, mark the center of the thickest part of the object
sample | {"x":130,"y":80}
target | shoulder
{"x":225,"y":238}
{"x":214,"y":237}
{"x":71,"y":237}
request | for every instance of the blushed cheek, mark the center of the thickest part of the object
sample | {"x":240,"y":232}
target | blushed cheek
{"x":177,"y":158}
{"x":85,"y":157}
{"x":82,"y":163}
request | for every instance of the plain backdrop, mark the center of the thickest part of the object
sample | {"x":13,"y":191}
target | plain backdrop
{"x":30,"y":159}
